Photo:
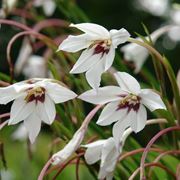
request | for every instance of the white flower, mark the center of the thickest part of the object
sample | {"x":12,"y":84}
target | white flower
{"x":48,"y":6}
{"x":107,"y":152}
{"x":99,"y":53}
{"x":125,"y":104}
{"x":135,"y":53}
{"x":24,"y":54}
{"x":155,"y":7}
{"x":61,"y":156}
{"x":20,"y":133}
{"x":35,"y":67}
{"x":34,"y":101}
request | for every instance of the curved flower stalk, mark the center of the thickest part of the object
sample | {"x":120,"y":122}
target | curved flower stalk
{"x":48,"y":6}
{"x":34,"y":101}
{"x":138,"y":54}
{"x":99,"y":53}
{"x":126,"y":104}
{"x":75,"y":142}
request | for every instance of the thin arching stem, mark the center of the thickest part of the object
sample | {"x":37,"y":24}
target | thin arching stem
{"x":151,"y":142}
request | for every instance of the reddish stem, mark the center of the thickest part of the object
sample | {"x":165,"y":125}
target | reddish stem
{"x":4,"y":115}
{"x":150,"y":165}
{"x":50,"y":22}
{"x":151,"y":142}
{"x":66,"y":164}
{"x":123,"y":156}
{"x":43,"y":171}
{"x":175,"y":152}
{"x":9,"y":47}
{"x":77,"y":168}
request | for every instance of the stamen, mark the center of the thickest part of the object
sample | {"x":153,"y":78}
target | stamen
{"x":35,"y":94}
{"x":102,"y":47}
{"x":131,"y":102}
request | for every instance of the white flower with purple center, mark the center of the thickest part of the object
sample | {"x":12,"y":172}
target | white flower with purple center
{"x":126,"y":104}
{"x":34,"y":101}
{"x":99,"y":53}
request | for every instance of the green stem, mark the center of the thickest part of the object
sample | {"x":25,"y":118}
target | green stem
{"x":169,"y":71}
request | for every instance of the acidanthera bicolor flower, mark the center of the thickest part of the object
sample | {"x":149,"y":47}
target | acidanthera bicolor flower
{"x":126,"y":104}
{"x":99,"y":53}
{"x":34,"y":101}
{"x":107,"y":152}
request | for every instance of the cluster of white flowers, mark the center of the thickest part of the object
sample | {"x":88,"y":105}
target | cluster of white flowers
{"x":34,"y":99}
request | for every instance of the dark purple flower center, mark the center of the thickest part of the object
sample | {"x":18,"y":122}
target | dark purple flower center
{"x":102,"y":47}
{"x":35,"y":94}
{"x":130,"y":102}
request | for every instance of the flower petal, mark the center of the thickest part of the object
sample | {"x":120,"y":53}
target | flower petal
{"x":75,"y":43}
{"x":7,"y":94}
{"x":93,"y":75}
{"x":139,"y":120}
{"x":93,"y":154}
{"x":135,"y":53}
{"x":109,"y":58}
{"x":46,"y":111}
{"x":120,"y":126}
{"x":102,"y":95}
{"x":127,"y":82}
{"x":110,"y":114}
{"x":59,"y":93}
{"x":119,"y":36}
{"x":49,"y":7}
{"x":93,"y":30}
{"x":85,"y":61}
{"x":107,"y":148}
{"x":33,"y":126}
{"x":151,"y":100}
{"x":20,"y":110}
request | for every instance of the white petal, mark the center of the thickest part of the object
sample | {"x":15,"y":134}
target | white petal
{"x":107,"y":148}
{"x":75,"y":43}
{"x":93,"y":154}
{"x":102,"y":96}
{"x":93,"y":75}
{"x":33,"y":126}
{"x":46,"y":111}
{"x":93,"y":30}
{"x":127,"y":82}
{"x":151,"y":100}
{"x":94,"y":144}
{"x":85,"y":61}
{"x":110,"y":114}
{"x":135,"y":53}
{"x":102,"y":173}
{"x":119,"y":36}
{"x":20,"y":110}
{"x":139,"y":120}
{"x":49,"y":7}
{"x":109,"y":58}
{"x":7,"y":94}
{"x":120,"y":126}
{"x":59,"y":93}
